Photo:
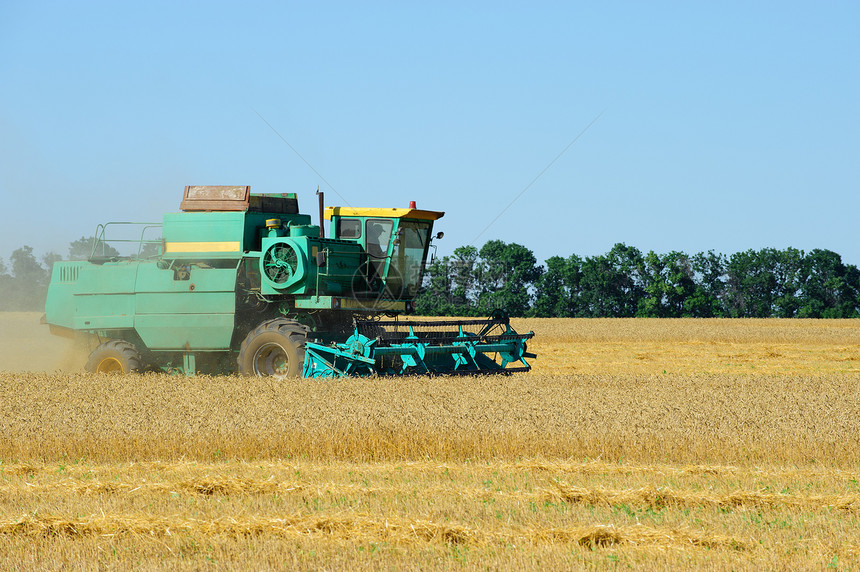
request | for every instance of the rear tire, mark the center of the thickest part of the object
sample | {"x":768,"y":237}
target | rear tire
{"x":115,"y":356}
{"x":274,"y":348}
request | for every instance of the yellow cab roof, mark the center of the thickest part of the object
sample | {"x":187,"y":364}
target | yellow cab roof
{"x":383,"y":213}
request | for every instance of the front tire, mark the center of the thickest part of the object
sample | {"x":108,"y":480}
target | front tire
{"x":274,"y":348}
{"x":115,"y":356}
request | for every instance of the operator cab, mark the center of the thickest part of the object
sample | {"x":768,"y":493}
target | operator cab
{"x":395,"y":242}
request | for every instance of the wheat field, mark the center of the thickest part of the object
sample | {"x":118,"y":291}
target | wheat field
{"x":650,"y":444}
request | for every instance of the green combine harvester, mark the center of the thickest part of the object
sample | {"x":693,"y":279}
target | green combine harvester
{"x":243,"y":282}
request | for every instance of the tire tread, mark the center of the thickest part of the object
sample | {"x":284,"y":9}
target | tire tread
{"x":126,"y":351}
{"x":295,"y":332}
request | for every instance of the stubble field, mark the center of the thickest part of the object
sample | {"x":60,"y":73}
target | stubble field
{"x":655,"y":444}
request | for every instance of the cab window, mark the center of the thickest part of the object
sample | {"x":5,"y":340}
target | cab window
{"x":377,"y":236}
{"x":348,"y":228}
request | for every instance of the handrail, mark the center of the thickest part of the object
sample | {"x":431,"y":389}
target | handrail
{"x":100,"y":238}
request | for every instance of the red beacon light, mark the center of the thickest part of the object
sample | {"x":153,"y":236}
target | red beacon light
{"x":412,"y":205}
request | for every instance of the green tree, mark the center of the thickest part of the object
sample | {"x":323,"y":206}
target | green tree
{"x":26,"y":268}
{"x":435,"y":298}
{"x":557,"y":291}
{"x":668,"y":283}
{"x":621,"y":283}
{"x":789,"y":271}
{"x":830,"y":288}
{"x":149,"y":250}
{"x":48,"y":261}
{"x":707,"y":298}
{"x":465,"y":275}
{"x":83,"y":248}
{"x":612,"y":284}
{"x":752,"y":283}
{"x":5,"y":287}
{"x":508,"y":275}
{"x":450,"y":285}
{"x":25,"y":288}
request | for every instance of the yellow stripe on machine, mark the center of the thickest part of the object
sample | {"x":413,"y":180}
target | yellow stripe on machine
{"x":385,"y":305}
{"x":383,"y":213}
{"x":231,"y":246}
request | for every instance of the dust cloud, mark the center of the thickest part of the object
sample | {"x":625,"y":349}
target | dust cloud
{"x":27,"y":345}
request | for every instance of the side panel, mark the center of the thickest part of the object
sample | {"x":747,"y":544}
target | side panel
{"x":87,"y":296}
{"x":103,"y":311}
{"x":185,"y":331}
{"x":60,"y":303}
{"x":195,"y":311}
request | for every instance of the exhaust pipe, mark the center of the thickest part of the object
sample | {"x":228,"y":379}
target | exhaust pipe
{"x":321,"y":196}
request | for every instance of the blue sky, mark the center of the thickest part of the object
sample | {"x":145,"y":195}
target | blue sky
{"x":724,"y":126}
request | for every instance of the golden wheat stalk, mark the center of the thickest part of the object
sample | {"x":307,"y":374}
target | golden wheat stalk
{"x":651,"y":496}
{"x":660,"y":497}
{"x":362,"y":528}
{"x":556,"y":468}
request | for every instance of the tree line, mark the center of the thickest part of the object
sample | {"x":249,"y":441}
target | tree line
{"x":625,"y":282}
